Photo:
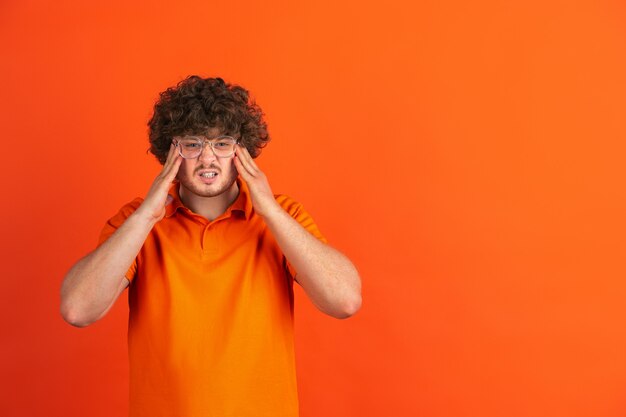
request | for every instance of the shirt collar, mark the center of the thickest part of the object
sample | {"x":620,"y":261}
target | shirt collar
{"x":242,"y":203}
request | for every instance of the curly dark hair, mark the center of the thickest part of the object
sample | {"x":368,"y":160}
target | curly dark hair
{"x":197,"y":104}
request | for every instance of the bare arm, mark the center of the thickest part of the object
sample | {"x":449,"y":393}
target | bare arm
{"x":328,"y":277}
{"x":93,"y":284}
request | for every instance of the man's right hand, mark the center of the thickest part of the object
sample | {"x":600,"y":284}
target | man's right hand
{"x":153,"y":207}
{"x":93,"y":284}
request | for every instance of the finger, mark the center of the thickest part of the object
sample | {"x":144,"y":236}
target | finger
{"x":172,"y":164}
{"x":174,"y":167}
{"x":168,"y":159}
{"x":246,"y":160}
{"x":172,"y":154}
{"x":239,"y":158}
{"x":246,"y":167}
{"x":247,"y":157}
{"x":247,"y":176}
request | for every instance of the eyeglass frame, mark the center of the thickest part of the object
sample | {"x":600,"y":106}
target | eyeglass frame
{"x":204,"y":140}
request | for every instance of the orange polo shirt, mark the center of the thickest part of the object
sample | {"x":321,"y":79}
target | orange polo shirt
{"x":210,"y":329}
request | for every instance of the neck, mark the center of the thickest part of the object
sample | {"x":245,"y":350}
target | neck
{"x":209,"y":207}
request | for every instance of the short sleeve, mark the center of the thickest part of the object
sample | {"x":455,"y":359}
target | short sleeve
{"x":297,"y":211}
{"x":114,"y":223}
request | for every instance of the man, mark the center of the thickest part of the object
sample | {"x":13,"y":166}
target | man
{"x":210,"y":256}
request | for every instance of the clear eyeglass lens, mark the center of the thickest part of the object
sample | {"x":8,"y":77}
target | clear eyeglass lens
{"x":224,"y":147}
{"x":192,"y":147}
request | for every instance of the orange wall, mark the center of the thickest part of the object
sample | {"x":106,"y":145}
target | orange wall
{"x":468,"y":156}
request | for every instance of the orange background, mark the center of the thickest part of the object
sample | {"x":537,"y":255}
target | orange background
{"x":467,"y":156}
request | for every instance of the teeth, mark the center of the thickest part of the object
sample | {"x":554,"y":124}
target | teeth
{"x":209,"y":174}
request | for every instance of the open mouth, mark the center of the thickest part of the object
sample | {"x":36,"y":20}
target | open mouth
{"x":207,"y":176}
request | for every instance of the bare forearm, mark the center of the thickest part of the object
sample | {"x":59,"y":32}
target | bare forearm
{"x":95,"y":281}
{"x":327,"y":276}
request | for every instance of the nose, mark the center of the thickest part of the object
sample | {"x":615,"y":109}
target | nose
{"x":207,"y":154}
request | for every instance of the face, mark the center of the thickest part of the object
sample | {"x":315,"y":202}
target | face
{"x":191,"y":172}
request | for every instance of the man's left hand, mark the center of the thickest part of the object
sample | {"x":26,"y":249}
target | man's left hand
{"x":262,"y":197}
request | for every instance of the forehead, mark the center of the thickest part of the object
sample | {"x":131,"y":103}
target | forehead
{"x":209,"y":133}
{"x":213,"y":132}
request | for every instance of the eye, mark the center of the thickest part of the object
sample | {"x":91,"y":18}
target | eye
{"x":190,"y":145}
{"x":225,"y":143}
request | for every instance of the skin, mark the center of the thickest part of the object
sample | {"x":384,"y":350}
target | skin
{"x":94,"y":283}
{"x":208,"y":200}
{"x":327,"y":276}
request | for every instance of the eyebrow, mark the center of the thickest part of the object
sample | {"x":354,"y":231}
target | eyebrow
{"x":206,"y":137}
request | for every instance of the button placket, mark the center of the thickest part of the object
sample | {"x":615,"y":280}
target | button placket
{"x":208,"y":240}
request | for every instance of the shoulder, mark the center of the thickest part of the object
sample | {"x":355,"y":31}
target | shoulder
{"x":118,"y":219}
{"x":130,"y":207}
{"x":288,"y":204}
{"x":125,"y":211}
{"x":297,"y":211}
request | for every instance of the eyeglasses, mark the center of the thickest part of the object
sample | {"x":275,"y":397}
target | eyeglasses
{"x":190,"y":147}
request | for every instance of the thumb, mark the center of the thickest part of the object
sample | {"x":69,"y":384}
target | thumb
{"x":169,"y":200}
